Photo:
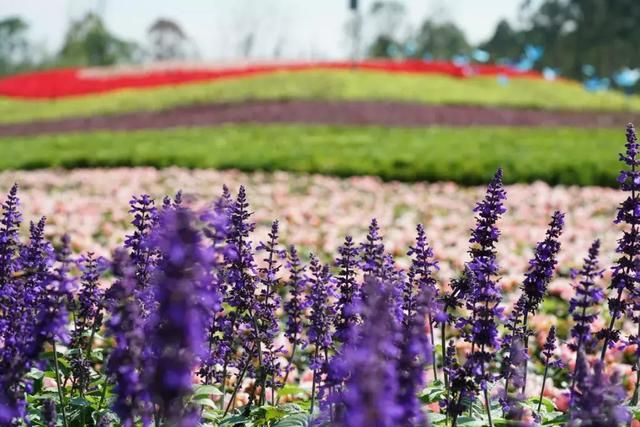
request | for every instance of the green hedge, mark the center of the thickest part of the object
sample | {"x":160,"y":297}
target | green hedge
{"x":463,"y":155}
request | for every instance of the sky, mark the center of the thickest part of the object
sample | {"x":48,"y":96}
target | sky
{"x":297,"y":29}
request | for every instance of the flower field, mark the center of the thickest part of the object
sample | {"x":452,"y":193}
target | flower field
{"x":326,"y":85}
{"x":200,"y":309}
{"x":61,"y":83}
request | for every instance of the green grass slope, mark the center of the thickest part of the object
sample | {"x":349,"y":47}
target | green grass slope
{"x":464,"y":155}
{"x":333,"y":85}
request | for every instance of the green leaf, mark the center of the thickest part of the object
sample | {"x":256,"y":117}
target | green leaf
{"x":234,"y":420}
{"x":35,"y":374}
{"x":434,"y":393}
{"x":80,"y":401}
{"x":206,"y":391}
{"x":436,"y":417}
{"x":294,"y":420}
{"x":290,"y":389}
{"x":555,"y":418}
{"x":205,"y":401}
{"x":470,"y":422}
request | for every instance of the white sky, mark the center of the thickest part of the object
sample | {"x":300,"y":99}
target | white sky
{"x":302,"y":28}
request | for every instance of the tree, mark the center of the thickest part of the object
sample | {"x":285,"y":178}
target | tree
{"x":168,"y":41}
{"x":386,"y":18}
{"x":441,"y":40}
{"x":14,"y":47}
{"x":505,"y":42}
{"x":88,"y":42}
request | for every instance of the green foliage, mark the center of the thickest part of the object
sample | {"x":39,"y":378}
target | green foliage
{"x":602,"y":33}
{"x":331,"y":85}
{"x":14,"y":47}
{"x":88,"y":42}
{"x":463,"y":155}
{"x":442,"y":40}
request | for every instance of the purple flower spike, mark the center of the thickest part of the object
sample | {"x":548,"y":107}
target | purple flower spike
{"x":321,"y":317}
{"x":600,"y":398}
{"x":372,"y":251}
{"x":126,"y":363}
{"x":297,"y":303}
{"x":625,"y":271}
{"x":9,"y":239}
{"x":369,"y":397}
{"x":485,"y":296}
{"x":348,"y":289}
{"x":543,"y":264}
{"x":583,"y":306}
{"x":185,"y":299}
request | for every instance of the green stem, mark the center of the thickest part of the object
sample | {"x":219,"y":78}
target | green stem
{"x":313,"y":384}
{"x":443,"y":342}
{"x":238,"y":382}
{"x":486,"y":397}
{"x":289,"y":363}
{"x":634,"y":399}
{"x":59,"y":384}
{"x":544,"y":380}
{"x":433,"y":349}
{"x":526,"y":349}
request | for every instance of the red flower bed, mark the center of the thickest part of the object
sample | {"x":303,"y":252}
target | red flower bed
{"x":60,"y":83}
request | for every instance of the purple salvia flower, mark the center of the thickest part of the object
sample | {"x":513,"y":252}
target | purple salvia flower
{"x":549,"y":347}
{"x":583,"y":306}
{"x":372,"y":251}
{"x":321,"y":319}
{"x":216,"y":229}
{"x":462,"y":386}
{"x":322,"y":311}
{"x":33,"y":313}
{"x":126,"y":365}
{"x":538,"y":276}
{"x":240,"y":290}
{"x":89,"y":304}
{"x":415,"y":352}
{"x":599,"y":400}
{"x":49,"y":416}
{"x":143,"y":257}
{"x":514,"y":355}
{"x":175,"y":203}
{"x":484,"y":298}
{"x":267,"y":304}
{"x":512,"y":371}
{"x":185,"y":299}
{"x":543,"y":264}
{"x":87,"y":321}
{"x":9,"y":238}
{"x":347,"y":315}
{"x":297,"y":303}
{"x":240,"y":256}
{"x":421,"y":280}
{"x":367,"y":363}
{"x":145,"y":217}
{"x":626,"y":271}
